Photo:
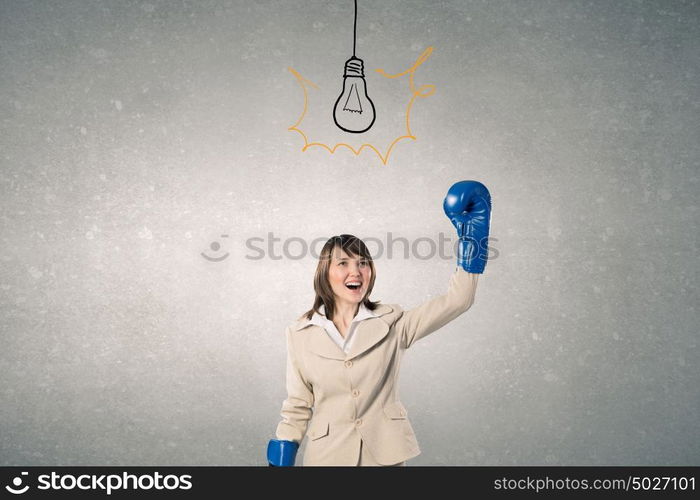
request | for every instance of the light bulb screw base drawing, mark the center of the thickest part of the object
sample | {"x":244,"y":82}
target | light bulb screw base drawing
{"x":354,"y":67}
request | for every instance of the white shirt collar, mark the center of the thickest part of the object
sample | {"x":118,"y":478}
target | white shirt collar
{"x":330,"y":328}
{"x":362,"y":313}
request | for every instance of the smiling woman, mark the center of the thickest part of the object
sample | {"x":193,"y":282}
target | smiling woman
{"x":344,"y":354}
{"x":344,"y":278}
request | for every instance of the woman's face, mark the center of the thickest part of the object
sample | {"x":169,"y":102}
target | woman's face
{"x":349,"y":276}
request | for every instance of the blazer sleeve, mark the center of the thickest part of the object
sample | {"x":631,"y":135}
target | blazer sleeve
{"x":435,"y":313}
{"x":297,"y":408}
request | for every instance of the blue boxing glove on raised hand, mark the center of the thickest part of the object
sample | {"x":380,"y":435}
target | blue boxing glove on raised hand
{"x":281,"y":453}
{"x":468,"y":206}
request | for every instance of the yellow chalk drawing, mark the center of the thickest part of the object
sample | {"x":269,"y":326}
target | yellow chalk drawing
{"x":423,"y":91}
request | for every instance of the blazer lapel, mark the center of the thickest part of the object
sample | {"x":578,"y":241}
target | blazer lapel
{"x":320,"y":343}
{"x":369,"y":333}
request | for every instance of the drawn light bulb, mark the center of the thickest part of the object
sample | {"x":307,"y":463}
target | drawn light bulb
{"x":354,"y":110}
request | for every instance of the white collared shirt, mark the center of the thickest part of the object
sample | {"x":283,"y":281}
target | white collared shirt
{"x":344,"y":343}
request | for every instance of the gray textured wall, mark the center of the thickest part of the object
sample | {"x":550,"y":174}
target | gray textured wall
{"x":134,"y":134}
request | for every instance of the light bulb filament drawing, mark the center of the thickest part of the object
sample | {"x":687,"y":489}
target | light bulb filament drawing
{"x":356,"y":105}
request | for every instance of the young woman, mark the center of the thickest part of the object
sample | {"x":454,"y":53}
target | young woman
{"x":344,"y":354}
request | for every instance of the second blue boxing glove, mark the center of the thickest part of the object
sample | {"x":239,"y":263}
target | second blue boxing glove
{"x":281,"y":453}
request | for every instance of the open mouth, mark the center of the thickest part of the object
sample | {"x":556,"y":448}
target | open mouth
{"x":353,"y":285}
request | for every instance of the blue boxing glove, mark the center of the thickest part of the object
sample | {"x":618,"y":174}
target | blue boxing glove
{"x":468,"y":206}
{"x":281,"y":453}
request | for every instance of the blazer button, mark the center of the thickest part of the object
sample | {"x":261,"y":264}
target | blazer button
{"x":358,"y":422}
{"x":355,"y":393}
{"x":348,"y":364}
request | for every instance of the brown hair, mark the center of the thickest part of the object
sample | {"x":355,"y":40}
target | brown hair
{"x":353,"y":246}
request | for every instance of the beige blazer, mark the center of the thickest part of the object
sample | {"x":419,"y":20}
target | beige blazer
{"x":354,"y":397}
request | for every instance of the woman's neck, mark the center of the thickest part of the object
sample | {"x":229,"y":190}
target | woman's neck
{"x":345,"y":312}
